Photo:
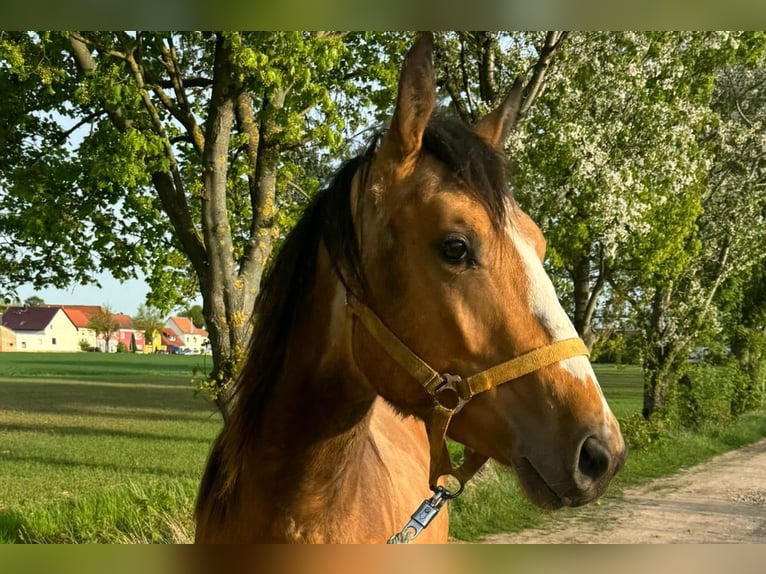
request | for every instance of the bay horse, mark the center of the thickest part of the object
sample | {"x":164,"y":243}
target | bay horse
{"x":415,"y":262}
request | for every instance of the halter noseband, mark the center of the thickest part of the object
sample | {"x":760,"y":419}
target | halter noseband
{"x":452,"y":392}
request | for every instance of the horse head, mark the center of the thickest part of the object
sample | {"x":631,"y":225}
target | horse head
{"x":453,"y":270}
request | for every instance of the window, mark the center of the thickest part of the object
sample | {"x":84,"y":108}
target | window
{"x":23,"y":344}
{"x":53,"y":341}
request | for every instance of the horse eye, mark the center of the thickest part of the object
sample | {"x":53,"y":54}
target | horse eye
{"x":455,"y":249}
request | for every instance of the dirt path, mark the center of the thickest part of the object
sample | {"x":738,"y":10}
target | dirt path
{"x":723,"y":500}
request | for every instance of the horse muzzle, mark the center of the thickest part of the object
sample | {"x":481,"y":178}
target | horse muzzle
{"x":580,"y":482}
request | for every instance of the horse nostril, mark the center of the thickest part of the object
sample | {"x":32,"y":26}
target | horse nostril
{"x":594,"y":460}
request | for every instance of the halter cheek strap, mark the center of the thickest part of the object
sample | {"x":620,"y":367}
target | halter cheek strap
{"x":452,"y":392}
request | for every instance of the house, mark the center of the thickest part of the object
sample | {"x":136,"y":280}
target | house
{"x":170,"y":341}
{"x":80,"y":316}
{"x":191,"y":337}
{"x":41,"y":329}
{"x":127,"y":335}
{"x":7,"y":339}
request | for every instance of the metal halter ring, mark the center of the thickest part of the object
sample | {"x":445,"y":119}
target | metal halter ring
{"x":448,"y":393}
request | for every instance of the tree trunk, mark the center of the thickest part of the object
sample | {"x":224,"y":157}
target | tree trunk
{"x":229,"y":283}
{"x":229,"y":287}
{"x":581,"y":296}
{"x":658,"y":360}
{"x":656,"y":383}
{"x":487,"y":44}
{"x":586,"y":297}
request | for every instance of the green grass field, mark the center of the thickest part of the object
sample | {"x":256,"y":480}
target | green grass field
{"x":90,"y":428}
{"x":110,"y":448}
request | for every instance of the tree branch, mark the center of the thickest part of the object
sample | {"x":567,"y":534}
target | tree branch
{"x":87,"y":64}
{"x":65,"y":136}
{"x":742,"y":114}
{"x":457,"y":101}
{"x":245,"y":117}
{"x":184,"y":113}
{"x":169,"y":186}
{"x":97,"y":46}
{"x":464,"y":76}
{"x":192,"y":82}
{"x":265,"y":177}
{"x":298,"y":188}
{"x":535,"y":86}
{"x":181,"y":112}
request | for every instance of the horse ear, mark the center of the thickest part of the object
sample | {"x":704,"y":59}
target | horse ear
{"x":415,"y":101}
{"x":495,"y":126}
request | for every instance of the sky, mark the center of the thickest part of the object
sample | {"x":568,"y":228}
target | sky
{"x":119,"y":297}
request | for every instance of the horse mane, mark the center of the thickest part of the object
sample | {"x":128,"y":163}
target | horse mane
{"x":286,"y":285}
{"x":291,"y":278}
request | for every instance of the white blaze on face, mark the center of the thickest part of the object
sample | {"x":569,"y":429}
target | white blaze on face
{"x":544,"y":303}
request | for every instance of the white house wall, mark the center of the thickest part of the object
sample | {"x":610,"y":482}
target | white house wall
{"x":188,"y":340}
{"x":59,"y":336}
{"x":87,"y":335}
{"x":194,"y":341}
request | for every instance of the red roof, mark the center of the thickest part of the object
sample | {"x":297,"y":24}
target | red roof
{"x":29,"y":318}
{"x":80,"y":314}
{"x":186,"y":326}
{"x":167,"y":341}
{"x":126,"y":323}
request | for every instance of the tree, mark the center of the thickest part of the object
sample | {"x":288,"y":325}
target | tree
{"x":34,"y":301}
{"x":194,"y":312}
{"x":9,"y":300}
{"x":104,"y":324}
{"x":741,"y":303}
{"x":187,"y":158}
{"x":588,"y":180}
{"x":149,"y":321}
{"x":614,"y":162}
{"x":595,"y":166}
{"x":717,"y":292}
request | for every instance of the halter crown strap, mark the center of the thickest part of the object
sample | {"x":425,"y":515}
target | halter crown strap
{"x":438,"y":385}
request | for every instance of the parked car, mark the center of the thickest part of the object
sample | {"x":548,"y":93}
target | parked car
{"x":188,"y":351}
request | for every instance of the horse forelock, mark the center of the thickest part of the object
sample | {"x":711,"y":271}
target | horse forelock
{"x":483,"y":172}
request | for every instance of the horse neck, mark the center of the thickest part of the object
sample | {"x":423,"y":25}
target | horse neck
{"x":320,"y":377}
{"x":329,"y":453}
{"x":317,"y":420}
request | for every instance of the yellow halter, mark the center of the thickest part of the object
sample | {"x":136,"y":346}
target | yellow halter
{"x":451,"y":392}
